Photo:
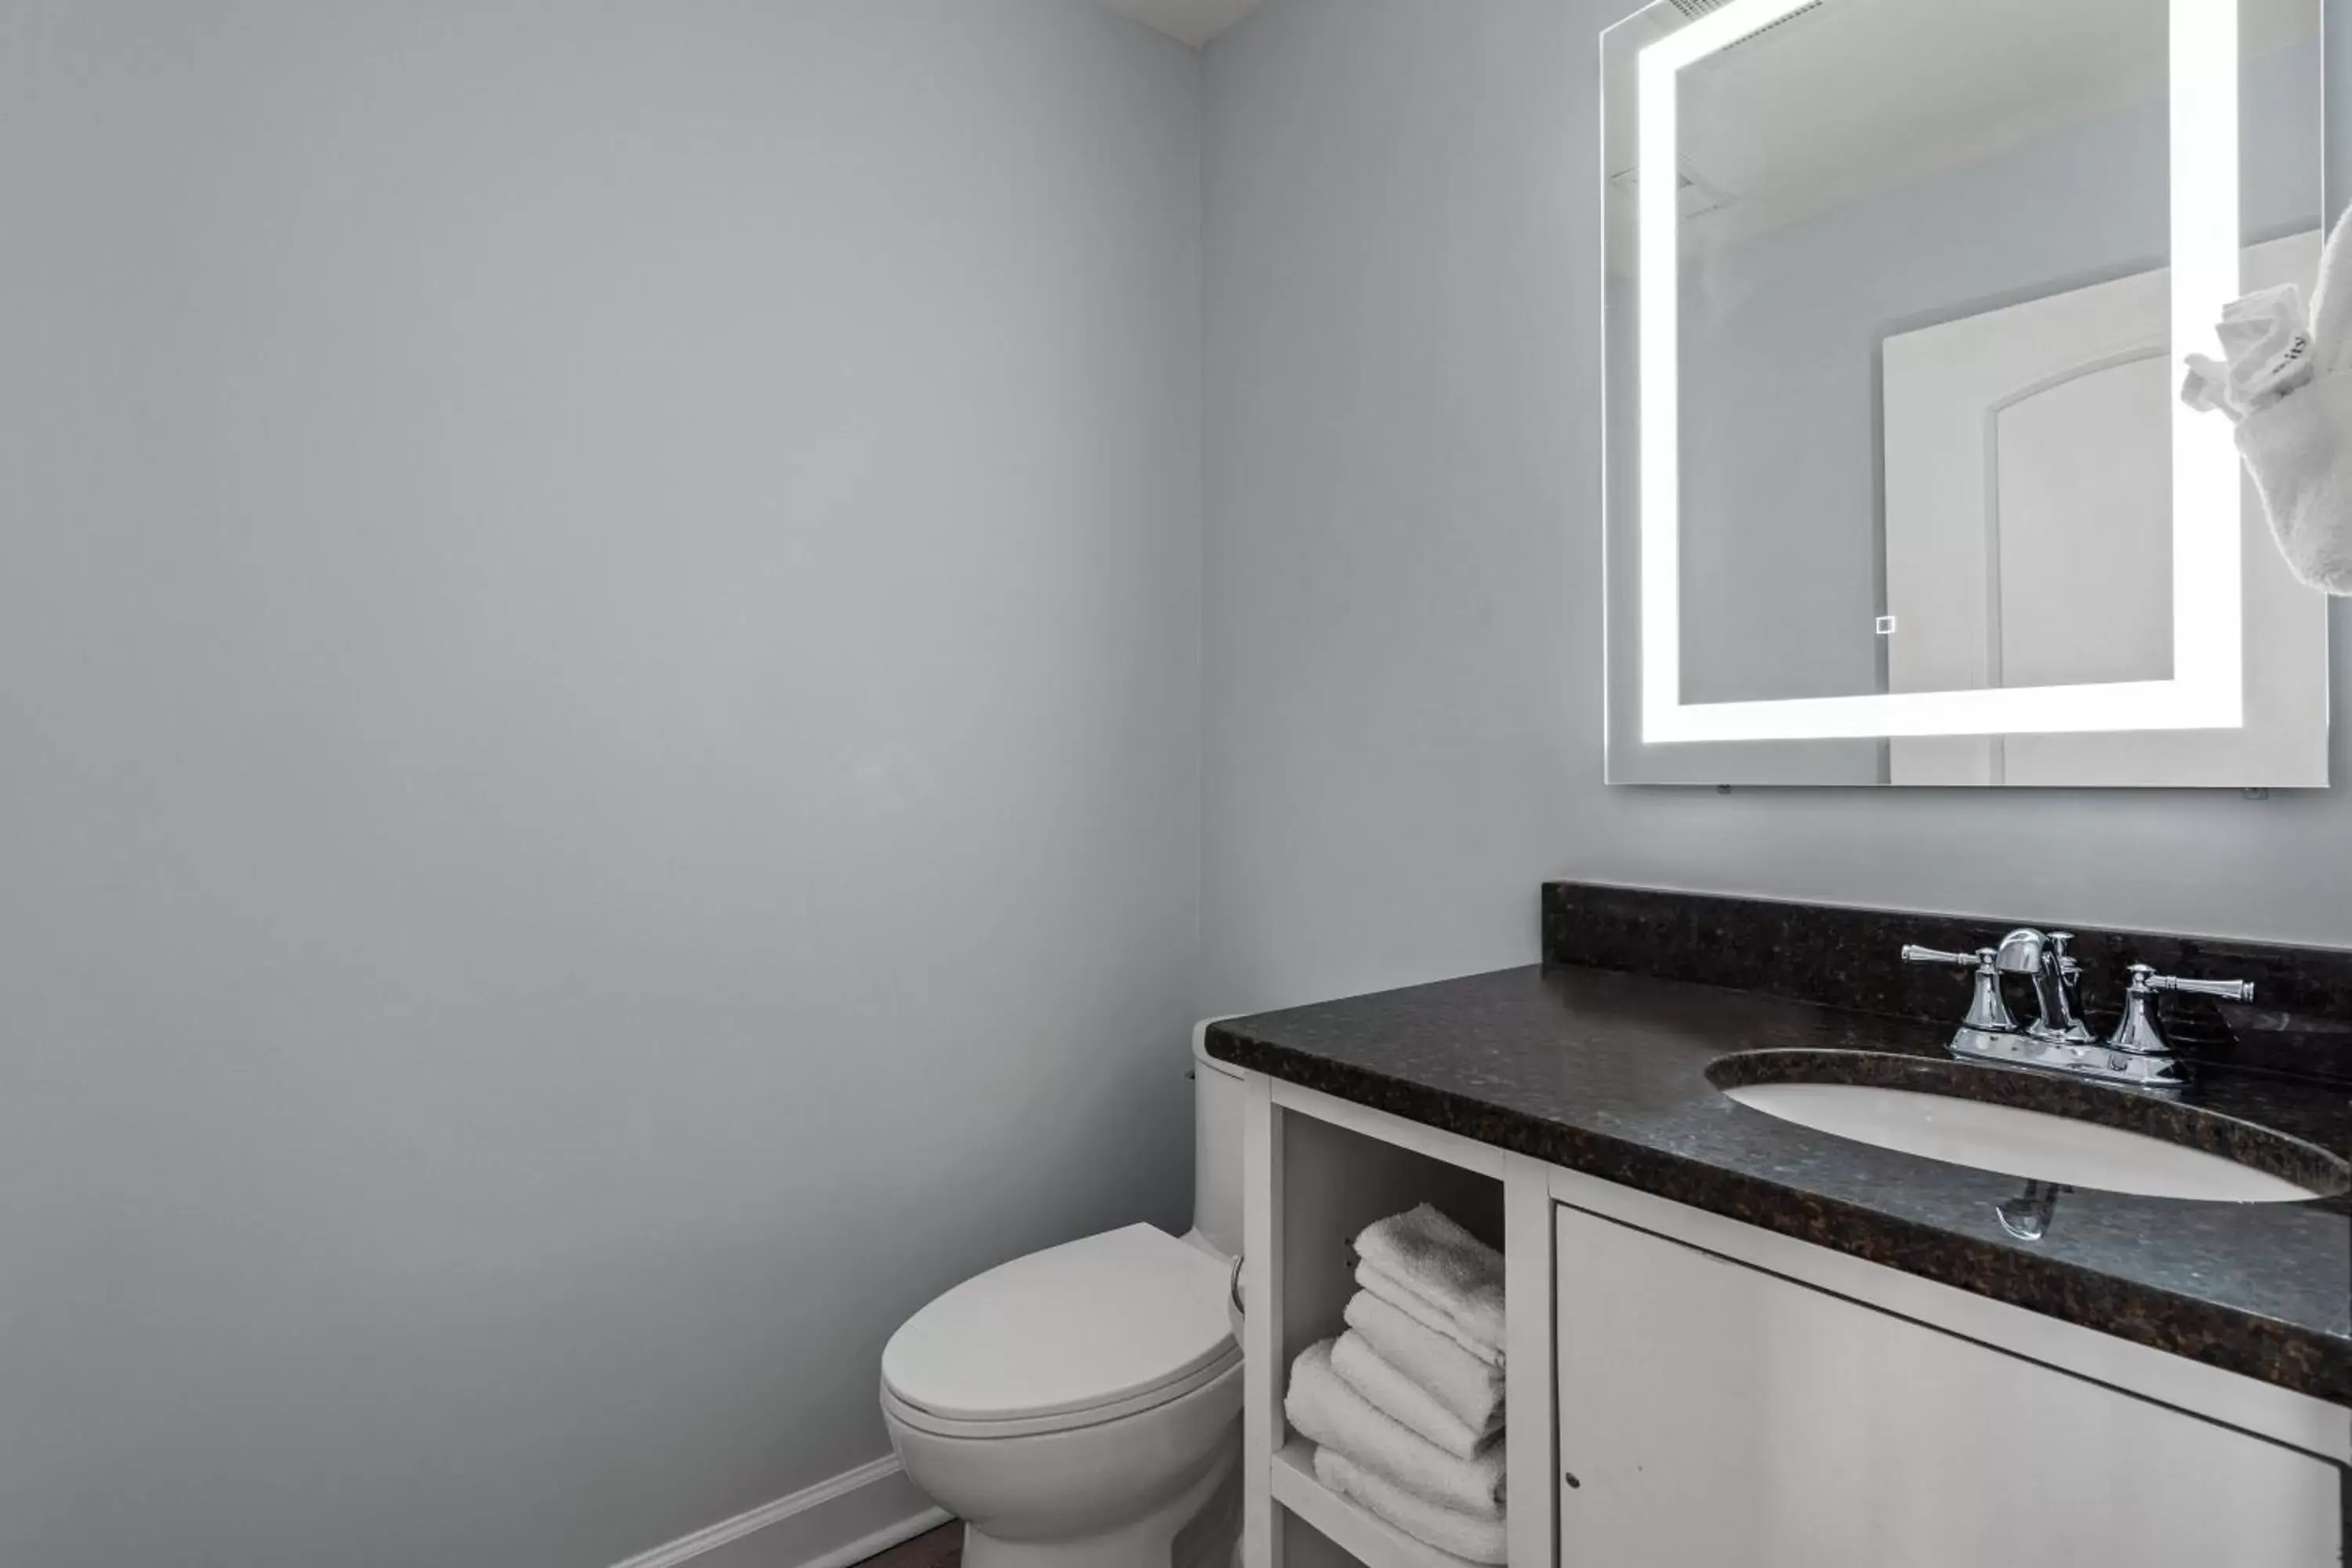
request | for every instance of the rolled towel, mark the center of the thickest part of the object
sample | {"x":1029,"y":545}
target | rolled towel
{"x":1473,"y":1537}
{"x":1444,"y":1266}
{"x":1403,"y":1400}
{"x":1389,"y":1289}
{"x":1470,"y":1390}
{"x":2270,"y":354}
{"x":1327,"y":1411}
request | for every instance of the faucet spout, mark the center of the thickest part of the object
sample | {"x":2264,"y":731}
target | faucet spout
{"x":2042,"y":957}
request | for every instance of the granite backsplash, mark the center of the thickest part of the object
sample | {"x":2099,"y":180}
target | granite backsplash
{"x":2299,"y":1024}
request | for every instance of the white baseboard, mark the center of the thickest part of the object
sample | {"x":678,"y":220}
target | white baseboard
{"x":832,"y":1524}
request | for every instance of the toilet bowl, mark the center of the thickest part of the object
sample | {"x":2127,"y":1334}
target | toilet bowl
{"x":1115,"y":1494}
{"x":1080,"y":1407}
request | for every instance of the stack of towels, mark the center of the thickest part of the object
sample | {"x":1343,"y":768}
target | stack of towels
{"x":1406,"y":1407}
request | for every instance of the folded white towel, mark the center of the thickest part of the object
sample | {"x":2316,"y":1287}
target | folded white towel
{"x":1473,"y":1538}
{"x":1393,"y":1290}
{"x":1405,"y":1401}
{"x":1444,"y":1266}
{"x":1323,"y":1408}
{"x":1471,"y":1390}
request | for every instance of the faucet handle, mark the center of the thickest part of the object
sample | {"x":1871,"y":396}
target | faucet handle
{"x":2137,"y":1031}
{"x":1988,"y":1013}
{"x":1913,"y":954}
{"x":2145,"y":976}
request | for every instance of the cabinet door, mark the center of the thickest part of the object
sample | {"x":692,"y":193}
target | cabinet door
{"x":1711,"y":1413}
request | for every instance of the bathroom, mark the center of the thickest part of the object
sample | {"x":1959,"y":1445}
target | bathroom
{"x":657,"y":657}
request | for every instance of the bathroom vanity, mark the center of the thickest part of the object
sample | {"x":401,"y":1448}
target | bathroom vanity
{"x":1737,"y":1339}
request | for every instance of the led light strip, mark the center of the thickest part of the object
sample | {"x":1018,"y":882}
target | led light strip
{"x":2207,"y":688}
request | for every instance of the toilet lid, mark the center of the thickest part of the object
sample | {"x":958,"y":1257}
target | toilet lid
{"x":1088,"y":1323}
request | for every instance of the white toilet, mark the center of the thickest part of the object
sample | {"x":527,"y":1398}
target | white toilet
{"x":1082,"y":1406}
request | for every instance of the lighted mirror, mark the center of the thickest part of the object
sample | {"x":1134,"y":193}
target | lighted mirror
{"x":1899,"y":487}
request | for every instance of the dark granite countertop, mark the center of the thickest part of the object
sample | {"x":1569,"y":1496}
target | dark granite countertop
{"x":1606,"y":1074}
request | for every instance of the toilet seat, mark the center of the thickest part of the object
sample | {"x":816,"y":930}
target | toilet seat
{"x":1078,"y":1335}
{"x":923,"y":1421}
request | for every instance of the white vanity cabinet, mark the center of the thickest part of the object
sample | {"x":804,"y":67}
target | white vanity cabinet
{"x":1714,"y":1412}
{"x":1727,"y":1396}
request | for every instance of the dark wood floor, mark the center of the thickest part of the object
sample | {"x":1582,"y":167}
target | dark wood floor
{"x":940,"y":1548}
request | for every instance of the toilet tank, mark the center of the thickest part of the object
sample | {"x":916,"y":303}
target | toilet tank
{"x":1216,"y":1149}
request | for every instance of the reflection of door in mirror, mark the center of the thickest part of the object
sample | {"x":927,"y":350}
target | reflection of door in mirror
{"x":2028,"y":542}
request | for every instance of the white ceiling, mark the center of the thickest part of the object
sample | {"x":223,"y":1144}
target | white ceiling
{"x":1192,"y":21}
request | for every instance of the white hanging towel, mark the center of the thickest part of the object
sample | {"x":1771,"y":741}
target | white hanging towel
{"x":2288,"y":387}
{"x":1443,"y":1267}
{"x":2300,"y":453}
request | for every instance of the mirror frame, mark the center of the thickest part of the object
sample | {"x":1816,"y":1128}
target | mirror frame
{"x":2207,"y":688}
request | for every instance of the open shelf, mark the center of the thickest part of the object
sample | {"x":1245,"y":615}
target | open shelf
{"x":1337,"y":1181}
{"x":1317,"y":1172}
{"x":1352,"y":1527}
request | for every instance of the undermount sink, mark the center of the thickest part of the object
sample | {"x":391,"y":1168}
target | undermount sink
{"x":1933,"y":1117}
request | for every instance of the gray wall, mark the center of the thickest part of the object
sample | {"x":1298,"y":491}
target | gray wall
{"x":599,"y":672}
{"x":1403,"y":559}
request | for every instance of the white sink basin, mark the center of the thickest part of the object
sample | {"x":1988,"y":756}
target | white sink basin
{"x":2016,"y":1143}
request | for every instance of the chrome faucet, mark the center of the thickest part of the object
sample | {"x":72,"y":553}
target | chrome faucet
{"x":2057,"y":982}
{"x":2057,"y":1039}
